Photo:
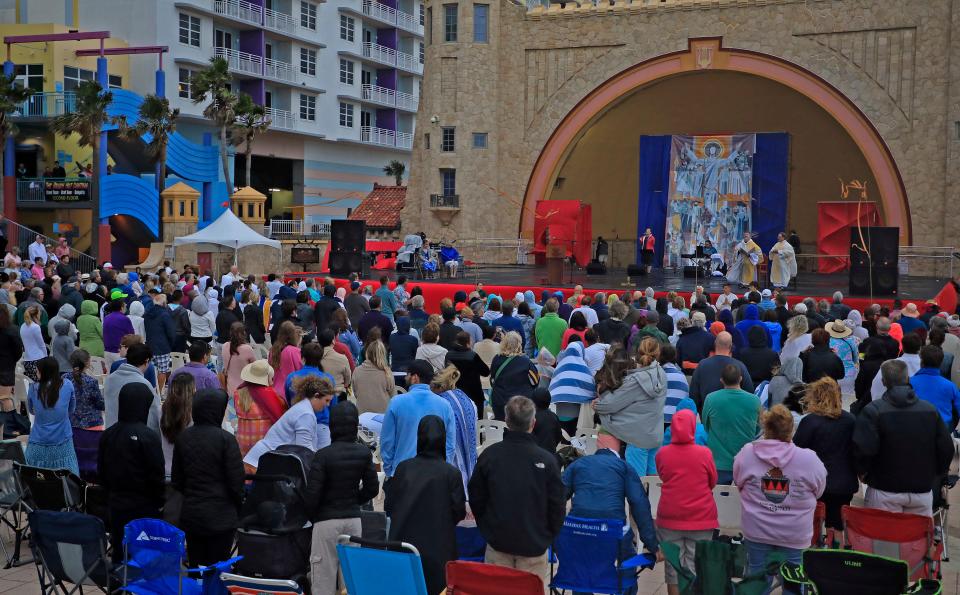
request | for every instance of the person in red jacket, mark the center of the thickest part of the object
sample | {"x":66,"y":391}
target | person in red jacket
{"x":647,"y":246}
{"x":687,"y":512}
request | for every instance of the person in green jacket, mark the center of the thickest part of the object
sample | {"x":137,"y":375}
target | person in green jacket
{"x":731,"y":417}
{"x":550,"y":328}
{"x":90,"y":328}
{"x":649,"y":330}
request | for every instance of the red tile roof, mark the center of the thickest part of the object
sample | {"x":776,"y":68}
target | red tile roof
{"x":381,"y":208}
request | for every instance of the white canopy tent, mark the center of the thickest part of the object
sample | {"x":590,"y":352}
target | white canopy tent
{"x":228,"y":230}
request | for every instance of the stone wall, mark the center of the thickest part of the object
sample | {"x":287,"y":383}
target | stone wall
{"x":896,"y":61}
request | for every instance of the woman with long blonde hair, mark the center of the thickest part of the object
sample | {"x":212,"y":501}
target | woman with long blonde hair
{"x":827,"y":430}
{"x":285,"y":354}
{"x":373,"y":384}
{"x":34,"y":349}
{"x":444,"y":383}
{"x":798,"y":337}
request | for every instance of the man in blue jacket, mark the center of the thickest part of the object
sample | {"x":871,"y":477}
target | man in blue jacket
{"x":598,"y":485}
{"x":933,"y":388}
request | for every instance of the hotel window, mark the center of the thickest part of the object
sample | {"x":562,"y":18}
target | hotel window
{"x":426,"y":141}
{"x":480,"y":12}
{"x":448,"y":181}
{"x":346,"y":72}
{"x":185,"y":87}
{"x":479,"y":140}
{"x":30,"y":76}
{"x":115,"y":81}
{"x":428,"y":26}
{"x":346,"y":115}
{"x":421,"y":14}
{"x":346,"y":28}
{"x":421,"y":52}
{"x":448,"y":139}
{"x":189,"y":30}
{"x":308,"y":15}
{"x":308,"y":107}
{"x":308,"y":61}
{"x":73,"y":76}
{"x":450,"y":22}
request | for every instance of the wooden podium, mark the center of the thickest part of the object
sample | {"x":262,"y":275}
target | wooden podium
{"x":556,"y":254}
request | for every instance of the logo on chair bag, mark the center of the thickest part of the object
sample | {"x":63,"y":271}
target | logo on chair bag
{"x":775,"y":486}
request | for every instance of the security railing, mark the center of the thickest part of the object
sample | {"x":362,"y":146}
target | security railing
{"x":47,"y":105}
{"x":22,"y":237}
{"x":238,"y":61}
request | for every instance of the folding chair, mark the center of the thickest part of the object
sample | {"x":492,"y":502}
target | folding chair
{"x":729,"y":511}
{"x":177,"y":360}
{"x":50,"y":489}
{"x":12,"y":507}
{"x":471,"y":546}
{"x":842,"y":572}
{"x":819,"y":525}
{"x":246,"y":585}
{"x":69,"y":547}
{"x":474,"y":578}
{"x":593,"y":558}
{"x":99,"y":367}
{"x":941,"y":513}
{"x":654,"y":487}
{"x":154,"y":554}
{"x":489,"y":431}
{"x":377,"y":567}
{"x":374,"y":526}
{"x":585,"y":440}
{"x":86,"y":443}
{"x":907,"y":537}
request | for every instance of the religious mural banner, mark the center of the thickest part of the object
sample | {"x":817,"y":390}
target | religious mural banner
{"x":710,"y":194}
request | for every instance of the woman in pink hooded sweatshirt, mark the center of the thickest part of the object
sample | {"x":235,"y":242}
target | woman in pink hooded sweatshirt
{"x":687,"y":512}
{"x":779,"y":486}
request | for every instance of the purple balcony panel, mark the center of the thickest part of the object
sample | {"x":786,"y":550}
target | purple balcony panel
{"x":256,"y":89}
{"x":388,"y":38}
{"x":251,"y":41}
{"x":387,"y":78}
{"x":387,"y":118}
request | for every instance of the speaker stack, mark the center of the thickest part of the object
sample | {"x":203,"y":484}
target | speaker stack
{"x":348,"y":241}
{"x":874,"y":271}
{"x":596,"y":268}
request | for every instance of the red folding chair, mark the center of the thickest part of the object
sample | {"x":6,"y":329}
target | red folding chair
{"x":476,"y":578}
{"x":907,"y":537}
{"x":819,"y":525}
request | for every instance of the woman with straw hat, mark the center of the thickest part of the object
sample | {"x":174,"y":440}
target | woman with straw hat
{"x":847,"y":348}
{"x":257,"y":403}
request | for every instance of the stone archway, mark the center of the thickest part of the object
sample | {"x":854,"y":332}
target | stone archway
{"x":704,"y":54}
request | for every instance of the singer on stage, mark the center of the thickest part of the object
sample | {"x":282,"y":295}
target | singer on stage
{"x":647,"y":244}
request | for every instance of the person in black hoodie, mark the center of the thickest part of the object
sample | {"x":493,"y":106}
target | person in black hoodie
{"x":517,"y":496}
{"x":546,"y":432}
{"x":614,"y":329}
{"x":820,"y":360}
{"x":341,"y":478}
{"x":130,"y":464}
{"x":425,"y":501}
{"x":253,"y":317}
{"x":757,"y":356}
{"x":227,"y":315}
{"x":326,"y":306}
{"x":208,"y":470}
{"x":869,"y":368}
{"x":471,"y":369}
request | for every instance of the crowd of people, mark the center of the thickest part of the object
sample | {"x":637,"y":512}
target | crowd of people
{"x":793,"y":405}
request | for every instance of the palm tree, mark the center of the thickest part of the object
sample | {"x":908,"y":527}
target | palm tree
{"x":251,"y":121}
{"x":215,"y":81}
{"x":396,"y":169}
{"x":11,"y":96}
{"x":87,"y":120}
{"x":157,"y":120}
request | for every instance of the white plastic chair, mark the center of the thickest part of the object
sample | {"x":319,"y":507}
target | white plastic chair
{"x":99,"y":367}
{"x":20,"y":388}
{"x":177,"y":360}
{"x":489,"y":431}
{"x":586,"y":440}
{"x":654,"y":487}
{"x":729,"y":511}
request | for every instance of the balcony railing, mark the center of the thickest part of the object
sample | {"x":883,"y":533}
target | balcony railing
{"x":33,"y":190}
{"x":408,"y":62}
{"x":387,"y":14}
{"x":279,"y":70}
{"x":407,"y":101}
{"x":444,"y":201}
{"x":279,"y":21}
{"x":240,"y":10}
{"x":404,"y":140}
{"x":296,"y":228}
{"x":391,"y":57}
{"x":377,"y":94}
{"x":244,"y":62}
{"x":281,"y":118}
{"x":47,"y":105}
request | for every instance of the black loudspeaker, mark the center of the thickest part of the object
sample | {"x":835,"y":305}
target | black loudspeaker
{"x":596,"y":268}
{"x":348,"y":236}
{"x":874,"y":257}
{"x":636,"y":270}
{"x":690,"y":271}
{"x":344,"y":263}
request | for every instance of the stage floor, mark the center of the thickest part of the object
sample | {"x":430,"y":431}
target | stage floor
{"x":808,"y":284}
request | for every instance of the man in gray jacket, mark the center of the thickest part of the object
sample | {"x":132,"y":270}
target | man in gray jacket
{"x":138,"y":358}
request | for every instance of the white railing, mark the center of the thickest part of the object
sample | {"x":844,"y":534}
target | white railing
{"x":279,"y":228}
{"x":387,"y":14}
{"x":385,"y":137}
{"x":241,"y":61}
{"x":407,"y":101}
{"x":407,"y":21}
{"x":240,"y":10}
{"x":279,"y":21}
{"x":408,"y":62}
{"x":277,"y":69}
{"x":281,"y":118}
{"x":378,"y":94}
{"x":380,"y":53}
{"x":46,"y":105}
{"x":404,"y":140}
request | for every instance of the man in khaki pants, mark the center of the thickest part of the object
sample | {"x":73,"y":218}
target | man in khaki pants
{"x":517,"y":496}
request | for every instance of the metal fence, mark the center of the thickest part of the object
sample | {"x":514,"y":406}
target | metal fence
{"x":22,"y":237}
{"x":495,"y":250}
{"x":296,"y":228}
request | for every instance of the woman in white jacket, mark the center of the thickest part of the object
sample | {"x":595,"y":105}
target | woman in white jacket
{"x":135,"y":314}
{"x":202,"y":322}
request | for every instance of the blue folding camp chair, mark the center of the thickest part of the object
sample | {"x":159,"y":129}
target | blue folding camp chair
{"x":592,"y":559}
{"x":378,"y":567}
{"x":155,"y":552}
{"x":236,"y":584}
{"x":471,"y":546}
{"x":70,"y":548}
